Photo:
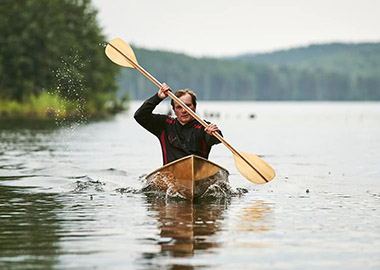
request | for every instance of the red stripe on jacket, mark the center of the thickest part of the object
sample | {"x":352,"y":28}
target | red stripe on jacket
{"x":162,"y":139}
{"x":170,"y":121}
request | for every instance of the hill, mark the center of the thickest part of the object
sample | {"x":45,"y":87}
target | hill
{"x":362,"y":58}
{"x":317,"y":72}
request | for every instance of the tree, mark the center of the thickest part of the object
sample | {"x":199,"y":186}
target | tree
{"x":51,"y":45}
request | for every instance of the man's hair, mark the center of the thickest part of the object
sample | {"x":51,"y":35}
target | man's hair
{"x":183,"y":92}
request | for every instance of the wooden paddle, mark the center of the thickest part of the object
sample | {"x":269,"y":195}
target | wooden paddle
{"x":250,"y":166}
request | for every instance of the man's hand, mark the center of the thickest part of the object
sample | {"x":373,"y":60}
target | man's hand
{"x":162,"y":92}
{"x":211,"y":129}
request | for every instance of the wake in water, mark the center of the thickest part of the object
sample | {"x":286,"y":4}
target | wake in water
{"x":219,"y":188}
{"x":89,"y":185}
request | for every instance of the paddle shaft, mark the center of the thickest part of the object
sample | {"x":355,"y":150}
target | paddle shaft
{"x":187,"y":109}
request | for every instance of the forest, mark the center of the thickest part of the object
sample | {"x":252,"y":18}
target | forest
{"x":52,"y":61}
{"x":324,"y":72}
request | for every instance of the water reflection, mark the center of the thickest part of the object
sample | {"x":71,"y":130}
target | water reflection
{"x":186,"y":226}
{"x":27,"y":124}
{"x":187,"y":229}
{"x":255,"y":217}
{"x":29,"y":229}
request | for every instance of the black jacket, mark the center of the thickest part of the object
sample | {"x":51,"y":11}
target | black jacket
{"x":176,"y":140}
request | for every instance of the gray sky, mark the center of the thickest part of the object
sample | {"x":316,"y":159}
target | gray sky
{"x":230,"y":27}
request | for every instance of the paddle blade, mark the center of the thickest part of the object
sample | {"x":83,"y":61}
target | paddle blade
{"x":118,"y":51}
{"x":254,"y":168}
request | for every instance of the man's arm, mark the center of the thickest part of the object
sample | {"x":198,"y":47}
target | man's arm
{"x":145,"y":117}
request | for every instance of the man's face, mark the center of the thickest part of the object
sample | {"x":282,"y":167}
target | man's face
{"x":183,"y":116}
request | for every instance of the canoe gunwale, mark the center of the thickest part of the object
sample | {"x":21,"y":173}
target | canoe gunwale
{"x":182,"y":159}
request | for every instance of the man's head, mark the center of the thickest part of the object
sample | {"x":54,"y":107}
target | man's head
{"x":190,"y":99}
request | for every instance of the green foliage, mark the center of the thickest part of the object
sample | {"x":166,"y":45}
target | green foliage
{"x":43,"y":106}
{"x":318,"y":72}
{"x":55,"y":46}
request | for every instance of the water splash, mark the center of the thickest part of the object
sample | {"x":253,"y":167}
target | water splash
{"x":128,"y":190}
{"x":89,"y":185}
{"x":219,"y":187}
{"x":103,"y":44}
{"x":70,"y":89}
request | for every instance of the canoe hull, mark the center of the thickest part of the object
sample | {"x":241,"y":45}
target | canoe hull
{"x":189,"y":176}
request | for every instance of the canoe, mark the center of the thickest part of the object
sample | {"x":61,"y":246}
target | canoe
{"x":189,"y":176}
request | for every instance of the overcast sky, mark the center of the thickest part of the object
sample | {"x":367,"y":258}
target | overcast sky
{"x":231,"y":27}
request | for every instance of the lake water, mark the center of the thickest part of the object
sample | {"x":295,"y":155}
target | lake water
{"x":71,"y":196}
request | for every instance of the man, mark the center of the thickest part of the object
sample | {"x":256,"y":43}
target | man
{"x":181,"y":136}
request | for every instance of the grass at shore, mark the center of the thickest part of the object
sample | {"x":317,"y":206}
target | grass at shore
{"x":52,"y":106}
{"x":43,"y":106}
